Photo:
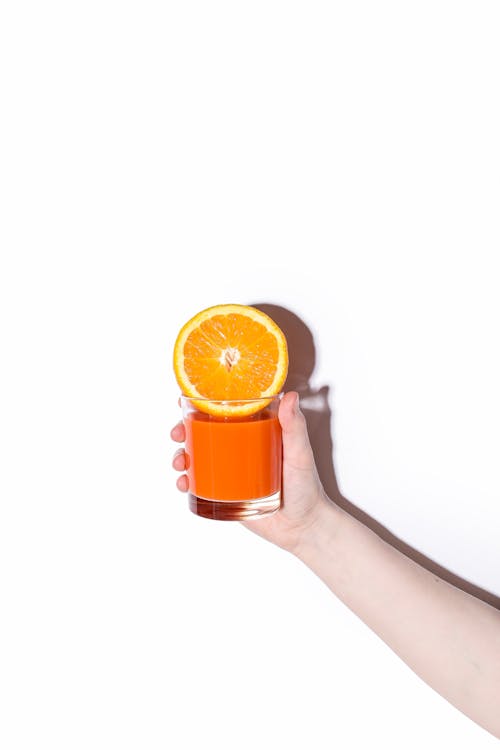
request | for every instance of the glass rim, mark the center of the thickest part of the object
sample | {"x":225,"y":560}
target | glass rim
{"x":203,"y":399}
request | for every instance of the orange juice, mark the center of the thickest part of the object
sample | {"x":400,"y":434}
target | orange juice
{"x":233,"y":462}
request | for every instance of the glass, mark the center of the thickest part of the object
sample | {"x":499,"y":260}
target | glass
{"x":233,"y":463}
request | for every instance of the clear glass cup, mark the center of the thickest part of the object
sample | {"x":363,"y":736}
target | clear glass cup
{"x":233,"y":463}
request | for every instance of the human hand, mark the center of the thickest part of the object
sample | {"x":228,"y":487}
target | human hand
{"x":303,"y":494}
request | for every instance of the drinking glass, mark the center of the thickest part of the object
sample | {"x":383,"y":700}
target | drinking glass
{"x":233,"y":462}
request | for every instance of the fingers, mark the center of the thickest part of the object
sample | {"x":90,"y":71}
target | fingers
{"x":183,"y":483}
{"x":178,"y":433}
{"x":179,"y":461}
{"x":289,"y":414}
{"x":296,"y":446}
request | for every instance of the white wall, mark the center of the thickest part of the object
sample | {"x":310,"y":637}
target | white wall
{"x":340,"y":160}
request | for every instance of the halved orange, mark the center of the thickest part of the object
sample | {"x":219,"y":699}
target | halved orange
{"x":230,"y":353}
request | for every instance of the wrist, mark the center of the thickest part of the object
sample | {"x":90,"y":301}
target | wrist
{"x":322,"y":530}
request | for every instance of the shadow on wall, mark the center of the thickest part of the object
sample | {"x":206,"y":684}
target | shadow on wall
{"x":316,"y":409}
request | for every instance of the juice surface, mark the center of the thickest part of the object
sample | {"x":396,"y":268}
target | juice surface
{"x":233,"y":459}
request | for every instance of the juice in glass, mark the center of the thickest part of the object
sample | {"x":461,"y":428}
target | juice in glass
{"x":233,"y":463}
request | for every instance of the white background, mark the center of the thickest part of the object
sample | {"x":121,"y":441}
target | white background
{"x":340,"y":159}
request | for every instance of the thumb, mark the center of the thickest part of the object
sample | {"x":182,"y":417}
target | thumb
{"x":297,"y":449}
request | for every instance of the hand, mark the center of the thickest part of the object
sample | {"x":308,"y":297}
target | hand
{"x":303,"y":494}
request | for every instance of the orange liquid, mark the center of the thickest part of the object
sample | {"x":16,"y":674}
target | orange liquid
{"x":233,"y":459}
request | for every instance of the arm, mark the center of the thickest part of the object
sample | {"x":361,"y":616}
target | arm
{"x":449,"y":638}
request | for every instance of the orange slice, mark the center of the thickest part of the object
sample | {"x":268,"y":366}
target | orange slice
{"x":230,"y":352}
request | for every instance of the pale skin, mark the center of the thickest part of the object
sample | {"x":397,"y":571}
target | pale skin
{"x":448,"y":637}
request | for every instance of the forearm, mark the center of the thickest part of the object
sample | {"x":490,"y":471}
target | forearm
{"x":449,"y":638}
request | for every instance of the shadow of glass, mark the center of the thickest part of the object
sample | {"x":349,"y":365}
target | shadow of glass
{"x":315,"y":405}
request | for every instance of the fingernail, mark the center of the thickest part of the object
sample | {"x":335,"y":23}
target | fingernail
{"x":296,"y":408}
